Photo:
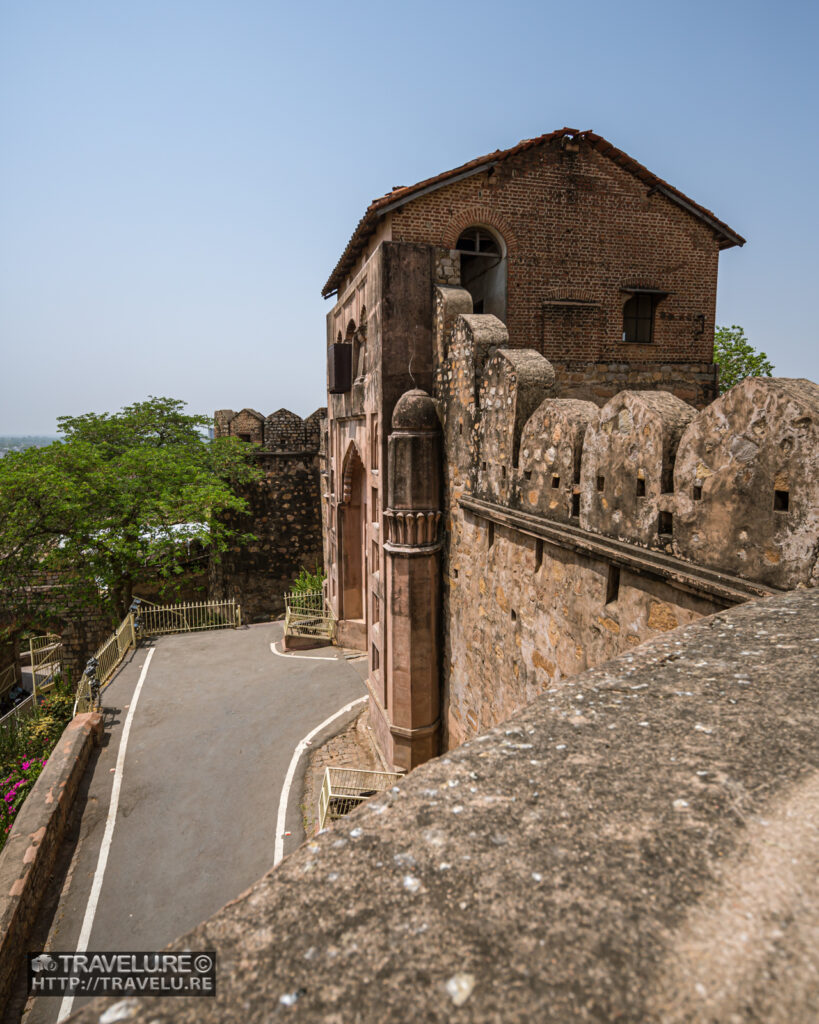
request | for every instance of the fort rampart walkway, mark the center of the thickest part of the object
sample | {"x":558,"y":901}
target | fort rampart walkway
{"x":638,"y":844}
{"x":215,"y":727}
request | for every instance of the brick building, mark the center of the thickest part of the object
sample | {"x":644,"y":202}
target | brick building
{"x":562,"y":245}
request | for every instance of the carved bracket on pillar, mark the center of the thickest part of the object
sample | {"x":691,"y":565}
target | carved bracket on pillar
{"x":411,"y":532}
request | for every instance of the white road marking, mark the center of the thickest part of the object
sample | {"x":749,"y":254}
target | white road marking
{"x":108,"y":835}
{"x":307,"y":657}
{"x":278,"y":849}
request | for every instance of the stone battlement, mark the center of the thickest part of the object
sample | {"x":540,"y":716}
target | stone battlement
{"x":732,"y":487}
{"x":281,"y":431}
{"x":284,"y":509}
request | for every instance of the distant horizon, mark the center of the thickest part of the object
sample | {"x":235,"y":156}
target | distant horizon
{"x":177,"y":181}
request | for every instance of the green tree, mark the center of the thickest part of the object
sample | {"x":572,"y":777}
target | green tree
{"x":736,"y":358}
{"x":121,"y":496}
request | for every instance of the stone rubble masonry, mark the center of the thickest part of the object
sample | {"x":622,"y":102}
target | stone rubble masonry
{"x":32,"y":845}
{"x":732,"y":489}
{"x":694,"y":383}
{"x":82,"y":625}
{"x":639,"y":844}
{"x":284,"y":512}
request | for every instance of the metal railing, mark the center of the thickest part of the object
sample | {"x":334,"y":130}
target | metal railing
{"x":25,"y":709}
{"x":46,"y":658}
{"x":149,"y":620}
{"x":8,"y":679}
{"x":306,"y":613}
{"x":84,"y":699}
{"x":111,"y":653}
{"x":343,"y":789}
{"x":158,"y":620}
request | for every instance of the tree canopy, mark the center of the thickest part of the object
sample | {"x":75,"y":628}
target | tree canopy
{"x":121,"y":496}
{"x":736,"y":358}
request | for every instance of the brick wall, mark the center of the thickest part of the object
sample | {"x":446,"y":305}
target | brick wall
{"x":578,"y":229}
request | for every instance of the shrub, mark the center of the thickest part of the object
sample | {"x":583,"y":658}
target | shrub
{"x":24,"y":749}
{"x":309,"y":581}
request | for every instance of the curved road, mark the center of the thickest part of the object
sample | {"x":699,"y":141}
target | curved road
{"x":214,"y":730}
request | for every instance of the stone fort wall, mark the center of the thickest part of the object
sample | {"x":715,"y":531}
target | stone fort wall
{"x":284,"y":510}
{"x":576,"y":532}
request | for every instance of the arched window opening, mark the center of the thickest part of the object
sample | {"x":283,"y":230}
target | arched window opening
{"x":483,"y":270}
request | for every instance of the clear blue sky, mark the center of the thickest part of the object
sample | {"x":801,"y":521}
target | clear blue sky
{"x":177,"y":179}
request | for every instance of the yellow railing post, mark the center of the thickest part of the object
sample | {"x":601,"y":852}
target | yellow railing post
{"x":33,"y":671}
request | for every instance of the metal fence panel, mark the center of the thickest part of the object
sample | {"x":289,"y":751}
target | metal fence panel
{"x":307,"y":614}
{"x":111,"y":653}
{"x":159,"y":620}
{"x":25,"y":709}
{"x":46,"y":654}
{"x":8,"y":679}
{"x":343,"y":789}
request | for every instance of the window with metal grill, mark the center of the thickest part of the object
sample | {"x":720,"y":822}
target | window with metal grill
{"x":638,"y":317}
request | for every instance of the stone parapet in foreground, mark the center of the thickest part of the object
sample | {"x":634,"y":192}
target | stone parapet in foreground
{"x":641,"y":843}
{"x":32,"y":846}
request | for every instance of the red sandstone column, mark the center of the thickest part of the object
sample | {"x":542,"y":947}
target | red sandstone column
{"x":412,"y":552}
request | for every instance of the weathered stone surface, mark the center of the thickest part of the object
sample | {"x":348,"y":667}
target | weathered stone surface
{"x":450,"y":303}
{"x":640,"y":844}
{"x":31,"y":848}
{"x":514,"y":383}
{"x":284,"y":511}
{"x":628,"y":464}
{"x":550,"y":451}
{"x":747,"y":483}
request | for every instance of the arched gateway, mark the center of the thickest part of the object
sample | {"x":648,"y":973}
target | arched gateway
{"x":353,"y":549}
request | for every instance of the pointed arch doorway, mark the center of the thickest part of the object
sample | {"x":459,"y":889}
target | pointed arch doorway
{"x":353,"y":551}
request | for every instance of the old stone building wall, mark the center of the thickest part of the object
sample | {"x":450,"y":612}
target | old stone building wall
{"x":284,"y":513}
{"x":580,"y":229}
{"x":247,"y":425}
{"x":574,"y":533}
{"x":82,"y":625}
{"x":509,"y":280}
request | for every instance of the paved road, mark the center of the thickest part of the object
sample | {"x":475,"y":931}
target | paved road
{"x":215,"y":727}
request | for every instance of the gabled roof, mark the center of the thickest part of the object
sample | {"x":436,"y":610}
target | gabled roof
{"x":378,"y":207}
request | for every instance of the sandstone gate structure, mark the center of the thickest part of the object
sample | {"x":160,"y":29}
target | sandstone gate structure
{"x":528,"y":467}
